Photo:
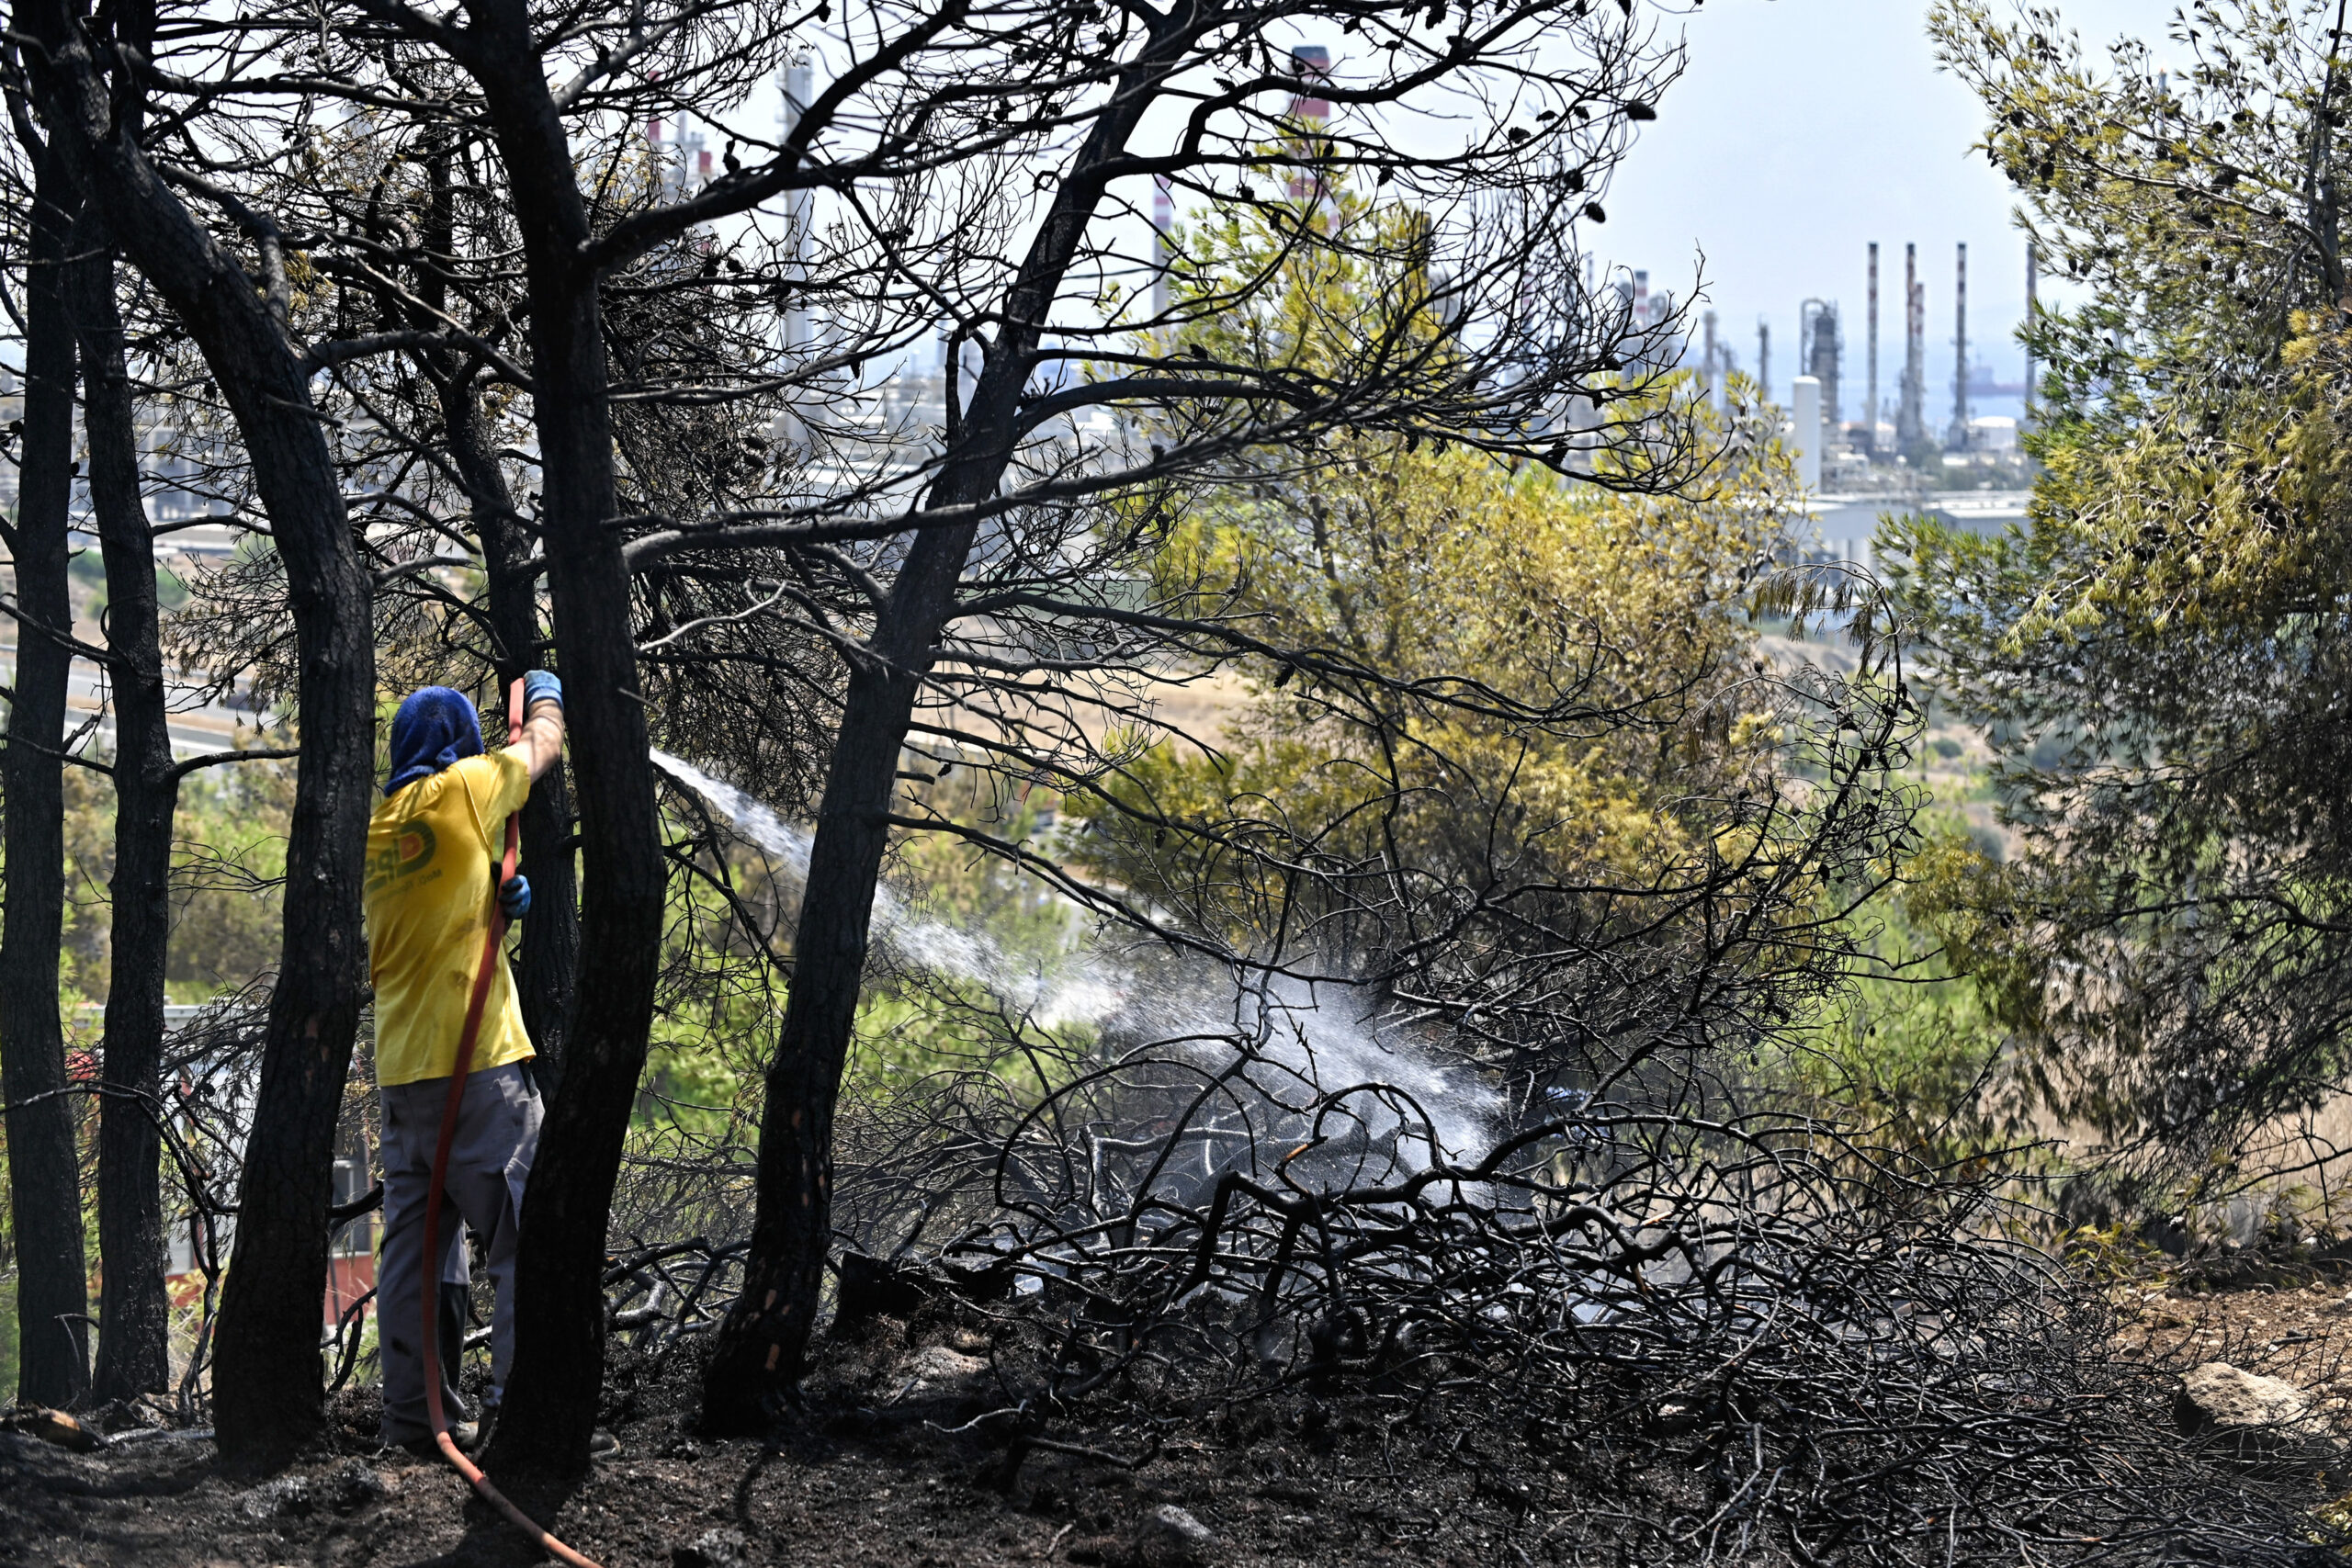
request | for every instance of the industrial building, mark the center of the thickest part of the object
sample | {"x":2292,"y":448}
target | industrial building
{"x":1898,"y":442}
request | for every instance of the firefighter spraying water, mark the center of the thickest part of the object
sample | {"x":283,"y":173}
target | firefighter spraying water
{"x":461,"y":1114}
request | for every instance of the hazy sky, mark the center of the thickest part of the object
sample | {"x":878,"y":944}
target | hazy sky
{"x":1802,"y":130}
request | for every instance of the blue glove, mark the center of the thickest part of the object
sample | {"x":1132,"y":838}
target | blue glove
{"x":541,"y":686}
{"x":514,"y":898}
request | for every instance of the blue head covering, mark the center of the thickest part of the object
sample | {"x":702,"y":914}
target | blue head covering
{"x":433,"y":727}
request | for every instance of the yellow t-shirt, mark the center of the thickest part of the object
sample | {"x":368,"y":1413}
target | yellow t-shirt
{"x":433,"y":852}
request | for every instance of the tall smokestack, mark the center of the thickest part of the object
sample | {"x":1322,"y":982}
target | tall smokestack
{"x":1960,"y":432}
{"x":1764,"y":358}
{"x":799,"y":207}
{"x":1713,"y":370}
{"x":2033,"y":304}
{"x":1869,"y":410}
{"x":1311,"y":113}
{"x":1910,"y":417}
{"x":801,"y":216}
{"x":1312,"y":61}
{"x":1163,"y":218}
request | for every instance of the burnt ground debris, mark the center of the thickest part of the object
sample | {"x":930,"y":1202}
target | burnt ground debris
{"x":884,"y":1464}
{"x":862,"y":1477}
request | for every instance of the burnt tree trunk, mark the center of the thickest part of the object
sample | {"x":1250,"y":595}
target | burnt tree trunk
{"x":764,"y":1341}
{"x":269,"y":1395}
{"x":549,"y":967}
{"x":551,"y":1408}
{"x":134,"y":1320}
{"x":43,"y":1169}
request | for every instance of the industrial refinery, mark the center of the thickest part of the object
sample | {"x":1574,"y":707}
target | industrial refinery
{"x":1890,"y":438}
{"x":1860,"y":449}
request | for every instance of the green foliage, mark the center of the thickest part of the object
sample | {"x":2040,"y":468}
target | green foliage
{"x":89,"y":575}
{"x":2161,"y":658}
{"x":1480,"y":655}
{"x":2109,"y":1254}
{"x":2193,"y":193}
{"x":1912,"y":1048}
{"x":1318,"y":288}
{"x":228,"y":874}
{"x":228,"y":864}
{"x":1446,"y":572}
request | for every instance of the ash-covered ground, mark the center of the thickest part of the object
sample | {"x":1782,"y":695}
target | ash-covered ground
{"x":874,"y":1470}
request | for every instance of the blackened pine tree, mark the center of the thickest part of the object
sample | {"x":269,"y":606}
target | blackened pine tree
{"x":134,"y":1317}
{"x":44,"y":1169}
{"x":456,"y":426}
{"x":971,"y":173}
{"x":1057,"y":419}
{"x":90,"y":92}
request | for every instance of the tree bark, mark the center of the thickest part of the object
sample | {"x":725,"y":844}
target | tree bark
{"x":762,"y":1344}
{"x":269,"y":1395}
{"x":764,"y":1341}
{"x":43,"y":1166}
{"x":134,"y":1319}
{"x":548,"y":967}
{"x":549,"y":1414}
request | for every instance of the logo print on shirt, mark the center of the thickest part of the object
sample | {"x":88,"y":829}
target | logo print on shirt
{"x":410,"y":852}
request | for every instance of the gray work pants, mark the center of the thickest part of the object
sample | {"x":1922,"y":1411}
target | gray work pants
{"x":489,"y":1159}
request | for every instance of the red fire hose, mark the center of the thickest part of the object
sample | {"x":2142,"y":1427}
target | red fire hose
{"x":432,"y":1271}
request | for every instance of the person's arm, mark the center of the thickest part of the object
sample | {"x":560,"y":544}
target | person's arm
{"x":541,"y":741}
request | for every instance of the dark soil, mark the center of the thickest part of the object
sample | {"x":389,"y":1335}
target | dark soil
{"x":866,"y":1476}
{"x":876,"y":1470}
